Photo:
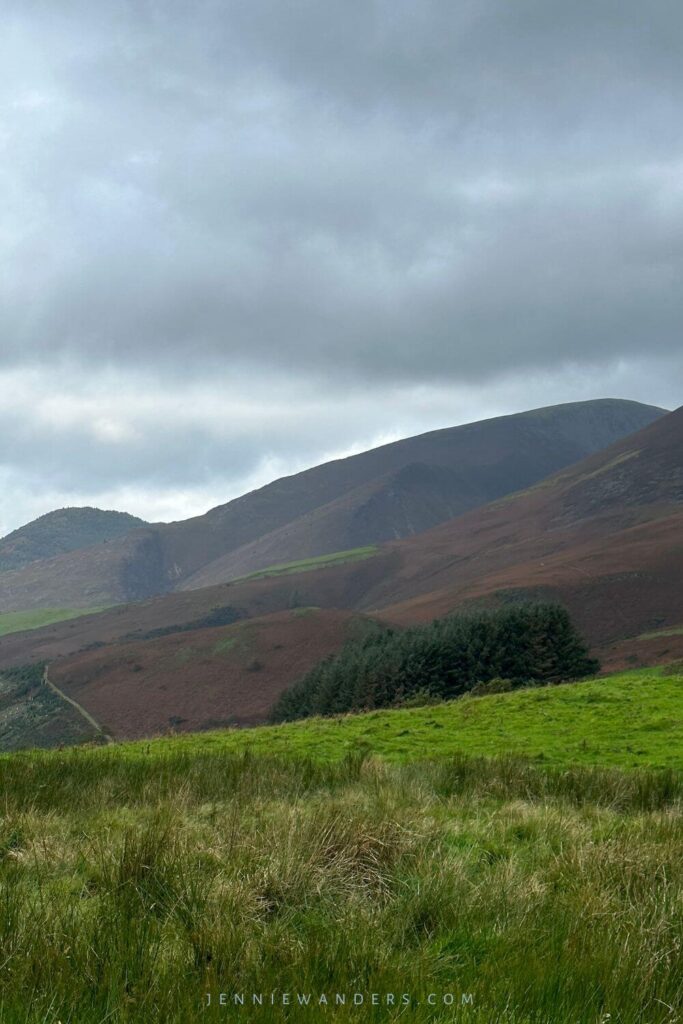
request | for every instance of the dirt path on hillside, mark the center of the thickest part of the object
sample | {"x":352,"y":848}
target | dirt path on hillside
{"x":81,"y":710}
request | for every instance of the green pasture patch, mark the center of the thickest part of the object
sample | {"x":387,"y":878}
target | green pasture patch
{"x":306,"y":564}
{"x":224,"y":645}
{"x":626,"y":720}
{"x":34,"y":618}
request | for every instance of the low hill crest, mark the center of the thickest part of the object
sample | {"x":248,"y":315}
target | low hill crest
{"x":62,"y":531}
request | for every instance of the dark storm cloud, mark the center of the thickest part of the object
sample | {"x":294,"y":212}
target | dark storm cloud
{"x":389,"y":189}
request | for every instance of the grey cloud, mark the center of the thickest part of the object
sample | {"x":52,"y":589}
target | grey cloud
{"x":396,"y":189}
{"x":353,"y":197}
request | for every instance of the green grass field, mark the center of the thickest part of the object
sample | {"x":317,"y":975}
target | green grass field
{"x":15,"y":622}
{"x":370,"y":854}
{"x":306,"y":564}
{"x":627,"y":720}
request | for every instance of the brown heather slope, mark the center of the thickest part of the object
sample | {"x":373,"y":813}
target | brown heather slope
{"x":394,"y":491}
{"x":210,"y":678}
{"x":134,"y":683}
{"x":107,"y":573}
{"x":396,"y":505}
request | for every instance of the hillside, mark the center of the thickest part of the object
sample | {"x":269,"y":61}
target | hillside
{"x":402,"y":489}
{"x":391,"y":492}
{"x":33,"y":715}
{"x":602,"y":536}
{"x":340,"y":586}
{"x":202,"y":678}
{"x":19,"y":622}
{"x":61,"y":531}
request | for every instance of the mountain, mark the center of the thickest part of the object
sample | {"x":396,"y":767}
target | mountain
{"x":602,"y":536}
{"x":401,"y":489}
{"x":66,"y":529}
{"x":395,"y":491}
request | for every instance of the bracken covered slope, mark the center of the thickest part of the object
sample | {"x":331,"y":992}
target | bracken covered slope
{"x":208,"y":678}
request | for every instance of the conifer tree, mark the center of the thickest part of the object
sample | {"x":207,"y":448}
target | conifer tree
{"x":524,"y":643}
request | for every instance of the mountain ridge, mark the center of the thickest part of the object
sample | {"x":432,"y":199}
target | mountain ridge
{"x":386,"y":493}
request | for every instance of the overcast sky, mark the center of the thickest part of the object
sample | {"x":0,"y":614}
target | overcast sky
{"x":238,"y":237}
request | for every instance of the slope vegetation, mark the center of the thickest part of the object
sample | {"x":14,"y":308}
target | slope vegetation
{"x":18,"y":622}
{"x":405,"y":488}
{"x":602,"y":537}
{"x":32,"y":715}
{"x":506,"y":648}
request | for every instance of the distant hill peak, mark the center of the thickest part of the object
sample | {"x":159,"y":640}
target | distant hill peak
{"x":61,"y":531}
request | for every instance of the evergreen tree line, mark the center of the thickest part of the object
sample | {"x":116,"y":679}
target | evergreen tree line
{"x":531,"y":643}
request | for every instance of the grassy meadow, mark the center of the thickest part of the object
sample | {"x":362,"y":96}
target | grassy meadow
{"x":625,"y":720}
{"x":137,"y":878}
